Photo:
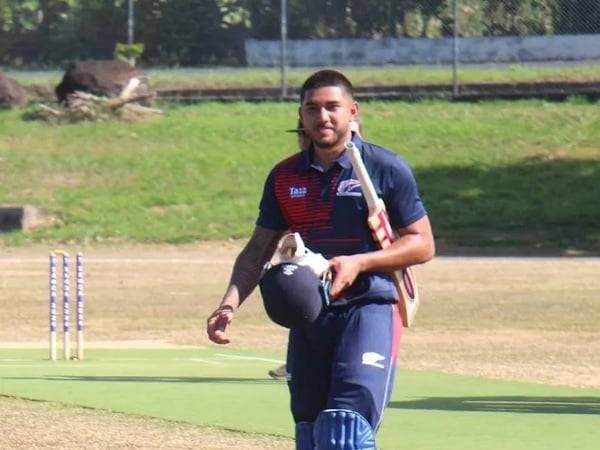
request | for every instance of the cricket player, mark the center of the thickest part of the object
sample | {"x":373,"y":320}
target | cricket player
{"x":280,"y":372}
{"x":341,"y":365}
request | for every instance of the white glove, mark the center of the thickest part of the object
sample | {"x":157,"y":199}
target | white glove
{"x":291,"y":249}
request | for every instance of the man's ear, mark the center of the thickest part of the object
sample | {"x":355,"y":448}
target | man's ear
{"x":354,"y":110}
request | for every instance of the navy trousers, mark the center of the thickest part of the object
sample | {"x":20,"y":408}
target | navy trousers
{"x":346,"y":360}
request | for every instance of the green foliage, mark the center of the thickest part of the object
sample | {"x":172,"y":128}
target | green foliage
{"x":518,"y":17}
{"x":127,"y":52}
{"x":569,"y":19}
{"x":508,"y":174}
{"x":192,"y":32}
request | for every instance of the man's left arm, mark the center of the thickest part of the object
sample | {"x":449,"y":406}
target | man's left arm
{"x":415,"y":245}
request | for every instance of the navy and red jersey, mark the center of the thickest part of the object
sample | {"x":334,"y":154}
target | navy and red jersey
{"x":327,"y":207}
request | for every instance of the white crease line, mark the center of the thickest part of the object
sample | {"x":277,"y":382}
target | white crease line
{"x":122,"y":363}
{"x":16,"y":360}
{"x":118,"y":360}
{"x":251,"y":358}
{"x":202,"y":360}
{"x":123,"y":359}
{"x":161,"y":260}
{"x":66,"y":366}
{"x":10,"y":366}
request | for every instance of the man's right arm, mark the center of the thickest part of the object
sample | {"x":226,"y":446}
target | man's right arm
{"x":244,"y":278}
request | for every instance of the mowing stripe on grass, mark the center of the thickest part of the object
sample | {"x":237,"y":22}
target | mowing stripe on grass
{"x":427,"y":410}
{"x":250,"y":358}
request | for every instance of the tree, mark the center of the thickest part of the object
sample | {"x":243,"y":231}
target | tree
{"x":517,"y":17}
{"x":190,"y":32}
{"x":576,"y":16}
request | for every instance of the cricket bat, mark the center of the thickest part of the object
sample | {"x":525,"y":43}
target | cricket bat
{"x":384,"y":235}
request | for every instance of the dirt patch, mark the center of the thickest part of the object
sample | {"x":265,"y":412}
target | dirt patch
{"x":557,"y":358}
{"x":37,"y":425}
{"x":527,"y":319}
{"x":531,"y":319}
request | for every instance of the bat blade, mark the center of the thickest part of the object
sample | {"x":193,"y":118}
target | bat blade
{"x":378,"y":221}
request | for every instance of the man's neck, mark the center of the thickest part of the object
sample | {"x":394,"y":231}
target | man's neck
{"x":325,"y":156}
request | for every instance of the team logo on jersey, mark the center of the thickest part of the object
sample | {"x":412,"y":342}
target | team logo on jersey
{"x":349,"y":188}
{"x":373,"y":359}
{"x":289,"y":269}
{"x":298,"y":192}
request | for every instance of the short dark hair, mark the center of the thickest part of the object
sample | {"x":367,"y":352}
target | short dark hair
{"x":326,"y":78}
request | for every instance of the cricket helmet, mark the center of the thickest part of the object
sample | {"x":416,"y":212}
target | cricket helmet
{"x":293,"y":295}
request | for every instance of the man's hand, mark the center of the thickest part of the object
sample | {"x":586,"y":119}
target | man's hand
{"x":217,"y":324}
{"x":244,"y":278}
{"x":345,"y":269}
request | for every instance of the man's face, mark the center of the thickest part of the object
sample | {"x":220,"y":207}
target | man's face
{"x":326,"y":113}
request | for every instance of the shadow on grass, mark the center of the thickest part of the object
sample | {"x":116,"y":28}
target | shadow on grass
{"x":149,"y":379}
{"x":546,"y":201}
{"x":511,"y":404}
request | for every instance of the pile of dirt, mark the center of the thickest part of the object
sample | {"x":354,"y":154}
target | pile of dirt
{"x":106,"y":78}
{"x":11,"y":92}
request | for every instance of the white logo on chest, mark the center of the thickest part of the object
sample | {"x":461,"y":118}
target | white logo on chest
{"x":298,"y":192}
{"x":349,"y":188}
{"x":289,"y":269}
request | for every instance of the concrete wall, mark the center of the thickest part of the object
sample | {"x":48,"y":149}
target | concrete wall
{"x":364,"y":52}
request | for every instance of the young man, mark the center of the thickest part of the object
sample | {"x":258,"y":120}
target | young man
{"x":341,"y":366}
{"x":280,"y":372}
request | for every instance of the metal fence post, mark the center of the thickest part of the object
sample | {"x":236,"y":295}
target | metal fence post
{"x":130,"y":28}
{"x":283,"y":48}
{"x":455,"y":51}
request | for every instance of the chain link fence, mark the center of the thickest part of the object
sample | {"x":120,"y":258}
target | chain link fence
{"x":550,"y":42}
{"x":450,"y":42}
{"x":503,"y":45}
{"x":475,"y":18}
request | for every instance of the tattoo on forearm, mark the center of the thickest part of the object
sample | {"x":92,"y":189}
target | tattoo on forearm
{"x":248,"y":265}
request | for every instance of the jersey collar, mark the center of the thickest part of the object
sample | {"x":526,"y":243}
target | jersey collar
{"x":305,"y":162}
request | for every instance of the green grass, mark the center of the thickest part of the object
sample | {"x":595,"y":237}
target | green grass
{"x":361,"y":76}
{"x":225,"y":389}
{"x":369,"y":76}
{"x":492,"y":174}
